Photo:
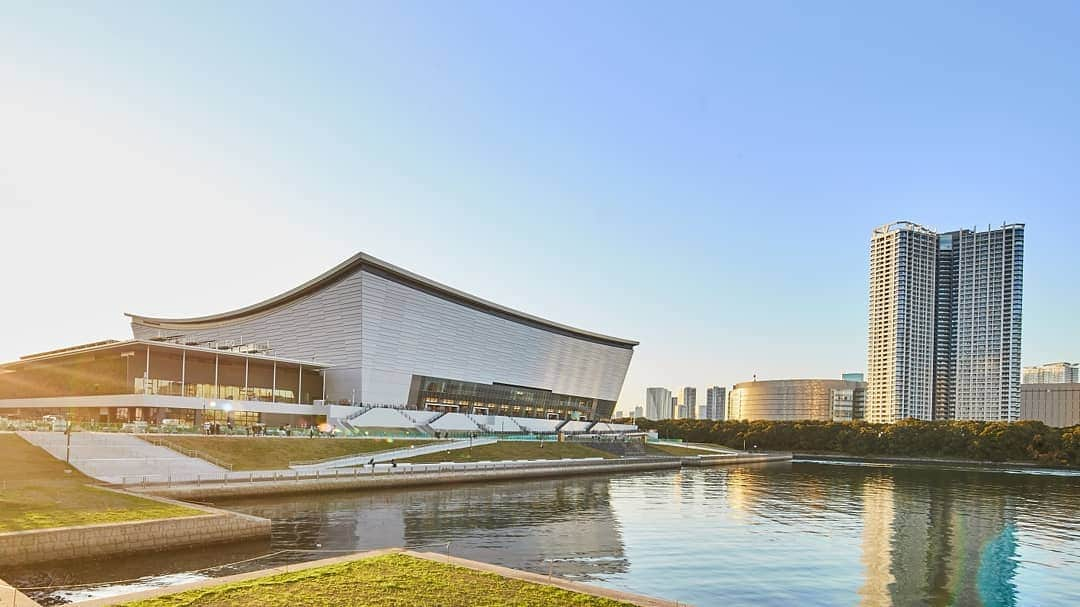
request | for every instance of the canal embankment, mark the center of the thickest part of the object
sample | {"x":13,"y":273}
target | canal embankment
{"x":412,"y":475}
{"x":210,"y":526}
{"x":925,"y":461}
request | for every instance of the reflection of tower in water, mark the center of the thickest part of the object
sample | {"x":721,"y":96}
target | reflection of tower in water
{"x":877,"y":539}
{"x":927,"y":544}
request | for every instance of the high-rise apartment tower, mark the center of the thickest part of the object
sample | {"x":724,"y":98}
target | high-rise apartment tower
{"x":689,"y":402}
{"x":945,"y":320}
{"x":716,"y":403}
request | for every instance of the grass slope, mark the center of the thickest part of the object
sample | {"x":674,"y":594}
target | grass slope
{"x":394,"y":580}
{"x":37,"y":494}
{"x":275,"y":453}
{"x":508,"y":450}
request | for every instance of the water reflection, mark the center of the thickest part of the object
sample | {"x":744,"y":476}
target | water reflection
{"x":922,"y":545}
{"x":551,"y":520}
{"x":804,"y":533}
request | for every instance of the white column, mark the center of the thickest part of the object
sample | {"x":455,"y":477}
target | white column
{"x":273,"y":388}
{"x":217,"y":393}
{"x":146,"y":373}
{"x":183,"y":372}
{"x":300,"y":384}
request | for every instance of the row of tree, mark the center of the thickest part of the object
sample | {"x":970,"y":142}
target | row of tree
{"x":1025,"y":441}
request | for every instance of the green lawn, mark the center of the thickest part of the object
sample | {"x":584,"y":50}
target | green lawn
{"x":37,"y":494}
{"x":275,"y":453}
{"x":507,"y":450}
{"x":656,"y":449}
{"x":394,"y":580}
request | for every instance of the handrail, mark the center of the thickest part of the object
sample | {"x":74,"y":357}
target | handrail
{"x":405,"y":468}
{"x":313,"y":462}
{"x":153,"y":440}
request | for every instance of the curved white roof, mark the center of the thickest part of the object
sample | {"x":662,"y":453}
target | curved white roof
{"x":365,"y":261}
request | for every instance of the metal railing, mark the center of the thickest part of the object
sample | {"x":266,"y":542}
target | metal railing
{"x":227,"y":478}
{"x":160,"y":442}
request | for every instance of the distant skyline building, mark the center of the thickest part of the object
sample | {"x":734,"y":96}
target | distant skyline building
{"x":658,"y":403}
{"x":716,"y":403}
{"x":1052,"y":373}
{"x":639,"y":411}
{"x":689,"y":402}
{"x":944,"y":323}
{"x":853,"y":377}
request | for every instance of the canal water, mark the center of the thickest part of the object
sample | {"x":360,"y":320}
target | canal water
{"x":804,"y":533}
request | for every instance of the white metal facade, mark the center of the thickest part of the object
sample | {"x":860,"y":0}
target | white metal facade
{"x":377,"y":330}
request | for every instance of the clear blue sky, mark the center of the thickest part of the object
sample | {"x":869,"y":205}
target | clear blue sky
{"x":701,"y":177}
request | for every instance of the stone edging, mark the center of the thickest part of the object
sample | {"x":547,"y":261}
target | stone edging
{"x":88,"y":541}
{"x":525,"y":576}
{"x":208,"y":491}
{"x":11,"y":597}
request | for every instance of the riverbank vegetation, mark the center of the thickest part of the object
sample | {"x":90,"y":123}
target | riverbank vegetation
{"x":37,"y":493}
{"x":393,"y":580}
{"x":511,"y":450}
{"x":275,"y":453}
{"x":1025,"y":441}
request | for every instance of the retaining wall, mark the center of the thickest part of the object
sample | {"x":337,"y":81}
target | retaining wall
{"x":87,"y":541}
{"x":742,"y":458}
{"x":208,"y":492}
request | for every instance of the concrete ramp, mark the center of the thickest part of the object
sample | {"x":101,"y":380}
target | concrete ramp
{"x":385,"y":456}
{"x":111,"y":457}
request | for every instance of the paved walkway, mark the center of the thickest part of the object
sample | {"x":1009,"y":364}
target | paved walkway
{"x":113,"y":457}
{"x":362,"y":459}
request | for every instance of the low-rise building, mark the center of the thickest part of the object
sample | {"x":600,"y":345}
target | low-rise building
{"x":1055,"y":405}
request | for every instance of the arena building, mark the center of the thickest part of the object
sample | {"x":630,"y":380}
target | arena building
{"x":364,"y":334}
{"x":798,"y":399}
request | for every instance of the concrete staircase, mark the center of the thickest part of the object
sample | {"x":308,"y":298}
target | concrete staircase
{"x":111,"y":457}
{"x":345,"y":423}
{"x":424,"y":427}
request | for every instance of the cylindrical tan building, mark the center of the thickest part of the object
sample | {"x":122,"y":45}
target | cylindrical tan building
{"x":798,"y":399}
